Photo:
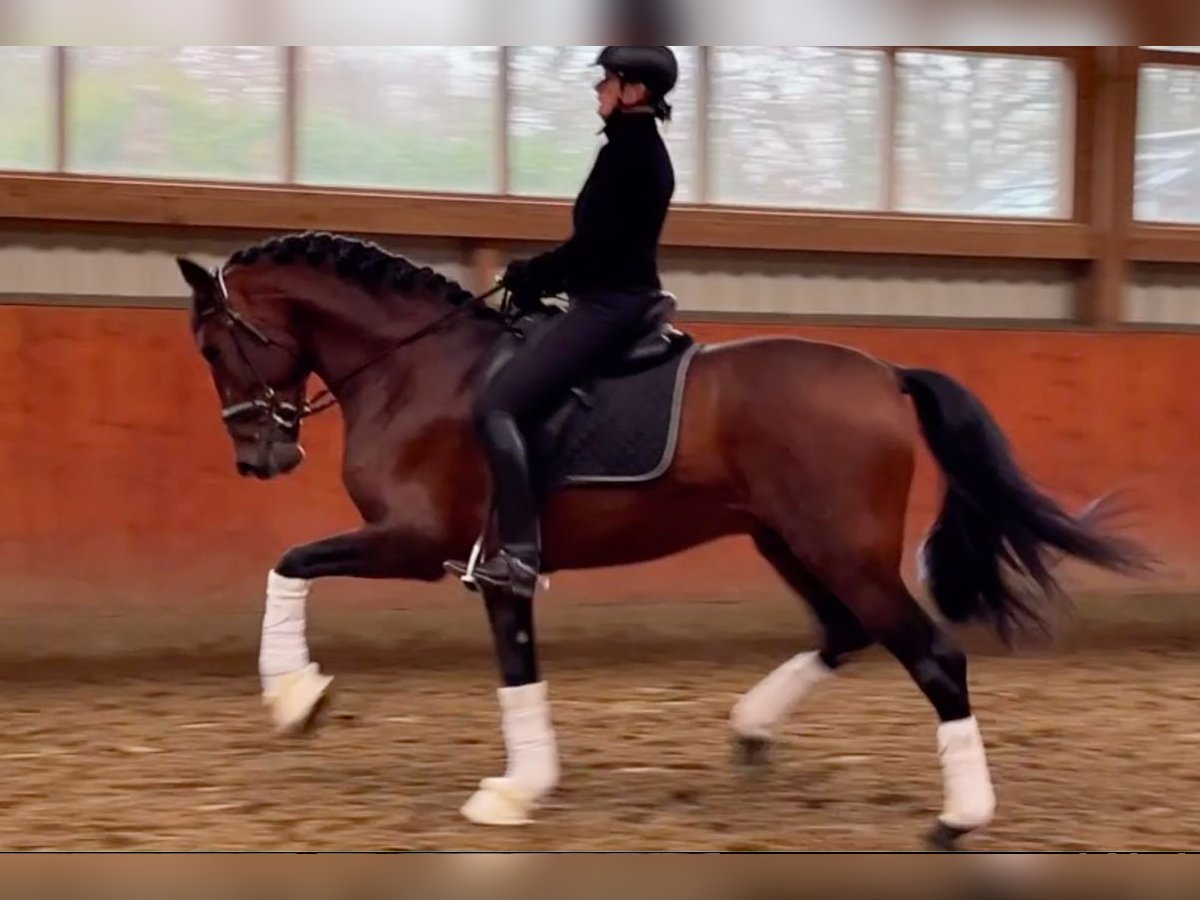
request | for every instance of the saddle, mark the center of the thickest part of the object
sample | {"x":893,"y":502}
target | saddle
{"x":659,"y":342}
{"x":620,"y":426}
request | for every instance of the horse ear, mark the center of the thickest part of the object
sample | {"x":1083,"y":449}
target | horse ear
{"x":205,"y":291}
{"x":199,"y":279}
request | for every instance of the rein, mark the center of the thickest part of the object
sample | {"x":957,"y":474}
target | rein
{"x":286,"y":414}
{"x":325,"y":398}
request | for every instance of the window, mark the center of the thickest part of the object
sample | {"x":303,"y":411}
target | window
{"x":422,"y":118}
{"x":798,"y":126}
{"x":982,"y":135}
{"x":554,"y":128}
{"x":935,"y":131}
{"x":200,"y":112}
{"x":1168,"y":145}
{"x":26,"y":108}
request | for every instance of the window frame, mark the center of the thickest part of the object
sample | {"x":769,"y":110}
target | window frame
{"x":1099,"y":238}
{"x":292,"y":65}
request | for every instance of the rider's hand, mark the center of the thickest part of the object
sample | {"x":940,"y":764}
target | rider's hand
{"x":525,"y":294}
{"x":516,"y":277}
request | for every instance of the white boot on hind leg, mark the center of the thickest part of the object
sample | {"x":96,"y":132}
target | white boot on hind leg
{"x":759,"y":713}
{"x":970,"y":800}
{"x":532,"y":761}
{"x":294,"y":690}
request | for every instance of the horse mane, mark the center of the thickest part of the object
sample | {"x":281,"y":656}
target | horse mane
{"x":361,"y":263}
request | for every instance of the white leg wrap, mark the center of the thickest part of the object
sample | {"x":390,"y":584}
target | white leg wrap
{"x":970,"y":800}
{"x":293,"y":686}
{"x":760,"y":712}
{"x":532,"y":760}
{"x":284,"y":646}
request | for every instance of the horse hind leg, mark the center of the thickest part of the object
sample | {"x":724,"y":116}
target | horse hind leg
{"x":757,"y":716}
{"x":854,"y":578}
{"x":893,"y":617}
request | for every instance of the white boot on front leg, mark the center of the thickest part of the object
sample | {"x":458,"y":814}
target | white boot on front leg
{"x":294,"y":690}
{"x":970,"y":800}
{"x":532,"y":760}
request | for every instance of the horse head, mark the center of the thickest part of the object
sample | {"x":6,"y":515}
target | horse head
{"x":279,"y":311}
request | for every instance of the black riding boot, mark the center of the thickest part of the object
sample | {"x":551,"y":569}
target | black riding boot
{"x":516,"y":567}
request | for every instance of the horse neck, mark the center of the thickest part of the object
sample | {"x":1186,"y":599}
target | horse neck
{"x":357,"y":343}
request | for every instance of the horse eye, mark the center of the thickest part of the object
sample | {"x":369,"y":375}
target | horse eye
{"x":212,"y":354}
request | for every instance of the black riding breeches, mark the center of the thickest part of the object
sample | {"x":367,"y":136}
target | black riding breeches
{"x":573,"y":348}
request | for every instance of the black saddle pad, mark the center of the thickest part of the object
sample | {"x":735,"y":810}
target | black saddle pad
{"x":617,"y":430}
{"x":620,"y":428}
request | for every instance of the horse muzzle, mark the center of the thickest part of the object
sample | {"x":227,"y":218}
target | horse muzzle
{"x":270,"y":461}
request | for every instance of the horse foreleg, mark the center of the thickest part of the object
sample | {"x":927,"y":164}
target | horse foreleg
{"x":294,"y":689}
{"x":532,"y":770}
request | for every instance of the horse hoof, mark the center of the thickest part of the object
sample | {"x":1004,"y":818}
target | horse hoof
{"x":297,"y":701}
{"x":944,"y":838}
{"x":499,"y":803}
{"x":752,"y":753}
{"x":312,"y":722}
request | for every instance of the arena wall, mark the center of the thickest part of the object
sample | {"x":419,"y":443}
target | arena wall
{"x":120,"y":489}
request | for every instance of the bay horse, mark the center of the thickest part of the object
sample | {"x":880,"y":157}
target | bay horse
{"x":805,"y":447}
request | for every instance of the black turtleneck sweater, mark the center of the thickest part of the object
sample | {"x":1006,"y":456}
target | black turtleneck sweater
{"x":618,"y":218}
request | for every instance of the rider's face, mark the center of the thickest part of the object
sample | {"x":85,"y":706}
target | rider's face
{"x":608,"y":93}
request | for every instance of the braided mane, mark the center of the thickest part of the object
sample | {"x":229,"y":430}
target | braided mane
{"x":361,"y":263}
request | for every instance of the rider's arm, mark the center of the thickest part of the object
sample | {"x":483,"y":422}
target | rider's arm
{"x":617,"y":199}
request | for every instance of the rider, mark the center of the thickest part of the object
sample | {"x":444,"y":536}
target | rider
{"x":609,"y":268}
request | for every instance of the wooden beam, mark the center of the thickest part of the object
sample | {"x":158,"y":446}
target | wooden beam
{"x":1185,"y":58}
{"x":501,"y":124}
{"x":291,"y":114}
{"x":1068,"y":53}
{"x":1087,"y":87}
{"x":704,"y":108}
{"x":61,"y":99}
{"x":486,"y":263}
{"x":1072,"y":54}
{"x":890,"y":131}
{"x":109,"y":201}
{"x":1102,"y":290}
{"x":1165,"y":243}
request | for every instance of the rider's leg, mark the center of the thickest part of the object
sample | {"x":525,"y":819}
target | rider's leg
{"x":513,"y":496}
{"x":573,"y":348}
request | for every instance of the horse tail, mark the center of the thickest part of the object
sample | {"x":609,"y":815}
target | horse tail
{"x":993,"y":518}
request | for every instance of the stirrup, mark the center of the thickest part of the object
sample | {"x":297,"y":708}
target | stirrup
{"x":465,"y":572}
{"x":468,"y":576}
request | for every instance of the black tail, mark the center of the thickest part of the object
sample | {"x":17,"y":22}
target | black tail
{"x":993,"y":519}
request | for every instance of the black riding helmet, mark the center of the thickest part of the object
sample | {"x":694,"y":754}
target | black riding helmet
{"x":655,"y":67}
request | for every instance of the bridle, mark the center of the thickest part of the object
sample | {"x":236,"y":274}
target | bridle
{"x":267,"y":402}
